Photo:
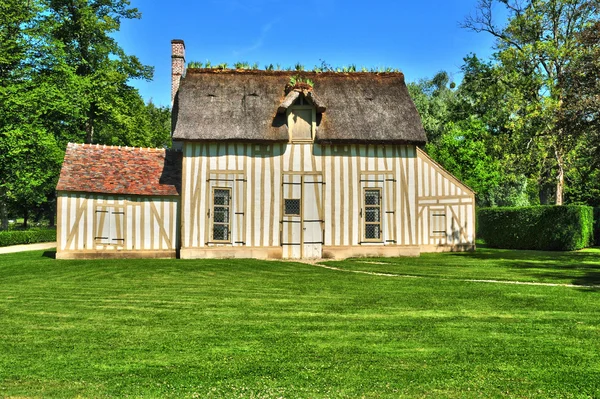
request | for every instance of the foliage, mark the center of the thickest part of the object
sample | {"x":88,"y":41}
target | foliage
{"x":534,"y":49}
{"x":298,"y":67}
{"x":581,"y":85}
{"x":433,"y":99}
{"x":461,"y":149}
{"x":550,"y":228}
{"x":142,"y":125}
{"x":82,"y":30}
{"x":261,"y":329}
{"x":63,"y":78}
{"x":297,"y":79}
{"x":597,"y":226}
{"x":31,"y":236}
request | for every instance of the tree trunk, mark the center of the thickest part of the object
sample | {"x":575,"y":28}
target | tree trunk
{"x":25,"y":218}
{"x":560,"y":179}
{"x":51,"y":211}
{"x":89,"y":132}
{"x":3,"y":216}
{"x":89,"y":124}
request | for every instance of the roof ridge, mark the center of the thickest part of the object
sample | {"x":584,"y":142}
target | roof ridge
{"x":233,"y":71}
{"x":118,"y":147}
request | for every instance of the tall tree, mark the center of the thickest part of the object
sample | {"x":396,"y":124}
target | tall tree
{"x":581,"y":113}
{"x":83,"y":30}
{"x":534,"y":48}
{"x":62,"y":76}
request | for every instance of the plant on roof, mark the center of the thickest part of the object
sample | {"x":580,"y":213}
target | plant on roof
{"x":195,"y":64}
{"x":299,"y":67}
{"x":297,"y":80}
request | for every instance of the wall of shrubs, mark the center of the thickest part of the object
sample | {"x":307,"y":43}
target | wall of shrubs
{"x":18,"y":237}
{"x":550,"y":228}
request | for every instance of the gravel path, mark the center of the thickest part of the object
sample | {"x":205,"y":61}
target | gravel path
{"x":27,"y":247}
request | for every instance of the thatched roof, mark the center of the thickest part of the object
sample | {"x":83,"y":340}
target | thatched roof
{"x":247,"y":106}
{"x":120,"y":170}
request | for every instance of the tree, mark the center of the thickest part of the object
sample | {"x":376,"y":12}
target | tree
{"x":462,"y":149}
{"x":140,"y":125}
{"x":61,"y":77}
{"x":535,"y":48}
{"x":82,"y":29}
{"x":433,"y":99}
{"x":581,"y":114}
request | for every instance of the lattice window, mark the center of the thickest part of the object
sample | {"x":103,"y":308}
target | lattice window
{"x":291,"y":207}
{"x":221,"y":228}
{"x":372,"y":215}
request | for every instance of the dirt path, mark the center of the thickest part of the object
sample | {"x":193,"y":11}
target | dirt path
{"x":27,"y":247}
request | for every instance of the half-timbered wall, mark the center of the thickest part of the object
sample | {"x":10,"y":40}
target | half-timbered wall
{"x":446,"y":207}
{"x":256,"y":173}
{"x":103,"y":223}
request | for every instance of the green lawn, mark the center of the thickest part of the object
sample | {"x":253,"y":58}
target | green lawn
{"x":260,"y":329}
{"x":578,"y":268}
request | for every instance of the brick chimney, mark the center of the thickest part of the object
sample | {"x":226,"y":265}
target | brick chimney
{"x":177,"y":65}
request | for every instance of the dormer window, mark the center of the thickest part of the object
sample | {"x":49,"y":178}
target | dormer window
{"x":302,"y":118}
{"x":301,"y":107}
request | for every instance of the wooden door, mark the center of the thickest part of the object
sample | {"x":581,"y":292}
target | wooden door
{"x":302,"y":220}
{"x":291,"y":222}
{"x":312,"y":219}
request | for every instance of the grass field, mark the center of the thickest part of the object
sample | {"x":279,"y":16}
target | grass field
{"x":260,"y":329}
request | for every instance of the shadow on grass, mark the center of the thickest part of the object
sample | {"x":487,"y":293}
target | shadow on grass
{"x":588,"y":264}
{"x":49,"y":254}
{"x":566,"y":260}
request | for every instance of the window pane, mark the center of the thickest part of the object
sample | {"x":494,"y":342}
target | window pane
{"x":221,"y":197}
{"x":371,"y":231}
{"x":292,"y":207}
{"x":372,"y":197}
{"x":221,"y":215}
{"x":220,"y":232}
{"x":373,"y":214}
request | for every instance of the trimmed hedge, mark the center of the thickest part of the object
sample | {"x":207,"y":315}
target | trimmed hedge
{"x":18,"y":237}
{"x":548,"y":228}
{"x":597,"y":226}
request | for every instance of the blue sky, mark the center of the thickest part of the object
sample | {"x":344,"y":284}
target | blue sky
{"x":418,"y":38}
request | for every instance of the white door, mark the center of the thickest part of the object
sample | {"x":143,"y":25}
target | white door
{"x":302,"y":221}
{"x":312,"y":219}
{"x":291,"y":222}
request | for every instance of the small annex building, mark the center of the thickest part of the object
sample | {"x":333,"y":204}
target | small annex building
{"x":268,"y":167}
{"x":118,"y":202}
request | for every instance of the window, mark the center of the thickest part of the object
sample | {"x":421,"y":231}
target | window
{"x":302,"y":124}
{"x":437,"y":222}
{"x":302,"y":120}
{"x":221,"y":214}
{"x":372,"y":216}
{"x":291,"y":207}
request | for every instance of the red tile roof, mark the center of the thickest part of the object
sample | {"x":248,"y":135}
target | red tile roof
{"x":120,"y":170}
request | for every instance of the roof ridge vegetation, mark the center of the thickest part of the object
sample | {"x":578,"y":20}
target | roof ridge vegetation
{"x":324,"y":67}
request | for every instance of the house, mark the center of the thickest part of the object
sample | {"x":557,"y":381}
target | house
{"x":276,"y":164}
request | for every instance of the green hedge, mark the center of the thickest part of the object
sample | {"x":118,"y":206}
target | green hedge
{"x":597,"y":226}
{"x":549,"y":228}
{"x":18,"y":237}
